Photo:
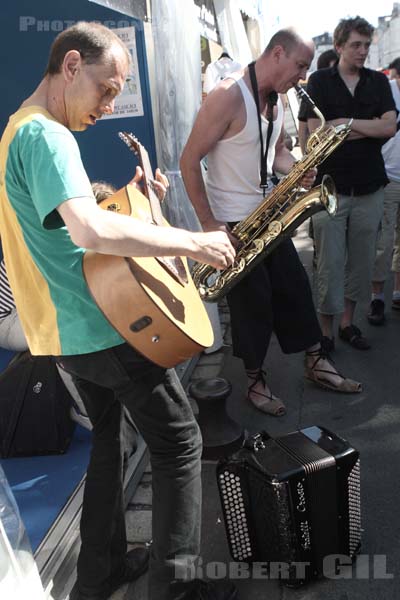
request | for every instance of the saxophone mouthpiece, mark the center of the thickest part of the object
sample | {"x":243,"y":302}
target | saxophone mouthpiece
{"x":302,"y":94}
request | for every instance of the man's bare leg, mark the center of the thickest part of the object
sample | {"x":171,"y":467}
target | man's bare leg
{"x":377,"y":287}
{"x":348,"y":313}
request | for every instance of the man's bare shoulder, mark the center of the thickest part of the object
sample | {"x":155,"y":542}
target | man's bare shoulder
{"x":227,"y":93}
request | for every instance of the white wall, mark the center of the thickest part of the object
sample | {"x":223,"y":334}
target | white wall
{"x":386,"y":45}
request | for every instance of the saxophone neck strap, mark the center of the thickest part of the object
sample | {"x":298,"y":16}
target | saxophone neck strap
{"x":272,"y":100}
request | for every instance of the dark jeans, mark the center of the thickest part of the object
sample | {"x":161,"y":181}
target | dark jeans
{"x":274,"y":296}
{"x":158,"y":405}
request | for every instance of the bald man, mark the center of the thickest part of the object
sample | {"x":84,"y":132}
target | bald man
{"x":274,"y":296}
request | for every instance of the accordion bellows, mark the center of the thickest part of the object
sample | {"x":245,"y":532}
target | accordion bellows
{"x":293,"y":499}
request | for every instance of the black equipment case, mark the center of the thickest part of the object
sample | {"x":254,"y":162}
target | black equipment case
{"x":292,"y":499}
{"x":34,"y":408}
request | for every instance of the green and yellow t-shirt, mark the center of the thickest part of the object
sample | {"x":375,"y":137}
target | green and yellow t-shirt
{"x":41,"y":167}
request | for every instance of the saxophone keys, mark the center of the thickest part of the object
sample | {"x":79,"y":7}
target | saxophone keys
{"x":239,"y":266}
{"x":274,"y":228}
{"x":258,"y":245}
{"x":202,"y":291}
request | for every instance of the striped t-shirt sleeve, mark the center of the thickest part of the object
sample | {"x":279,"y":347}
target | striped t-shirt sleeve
{"x":7,"y":303}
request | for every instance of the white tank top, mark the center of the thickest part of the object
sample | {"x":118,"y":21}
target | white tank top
{"x":233,"y":177}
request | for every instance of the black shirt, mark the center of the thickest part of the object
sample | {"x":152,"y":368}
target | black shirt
{"x":356,"y":166}
{"x":303,"y":111}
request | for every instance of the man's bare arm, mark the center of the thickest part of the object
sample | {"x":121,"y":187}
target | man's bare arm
{"x":110,"y":233}
{"x":284,"y":160}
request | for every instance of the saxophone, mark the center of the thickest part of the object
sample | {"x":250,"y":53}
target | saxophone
{"x":284,"y":209}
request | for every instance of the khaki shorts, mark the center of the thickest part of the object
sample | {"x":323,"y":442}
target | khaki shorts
{"x":346,"y":248}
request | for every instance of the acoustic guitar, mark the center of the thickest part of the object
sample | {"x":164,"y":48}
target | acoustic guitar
{"x":151,"y":302}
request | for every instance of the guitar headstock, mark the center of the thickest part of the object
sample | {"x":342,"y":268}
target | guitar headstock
{"x":131,"y":141}
{"x":135,"y":146}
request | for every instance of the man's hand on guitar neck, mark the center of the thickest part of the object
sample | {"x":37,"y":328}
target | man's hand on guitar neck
{"x":160,"y":183}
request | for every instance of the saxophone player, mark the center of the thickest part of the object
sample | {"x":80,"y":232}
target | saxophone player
{"x":240,"y":129}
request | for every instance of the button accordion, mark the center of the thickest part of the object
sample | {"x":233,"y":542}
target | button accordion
{"x":294,"y":500}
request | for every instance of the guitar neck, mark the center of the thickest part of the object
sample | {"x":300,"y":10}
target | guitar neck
{"x":149,"y":192}
{"x":135,"y":146}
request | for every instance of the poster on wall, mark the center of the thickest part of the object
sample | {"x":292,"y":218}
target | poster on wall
{"x":129,"y":102}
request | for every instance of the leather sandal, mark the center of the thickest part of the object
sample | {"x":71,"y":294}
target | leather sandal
{"x":353,"y":336}
{"x":267,"y":403}
{"x":318,"y":376}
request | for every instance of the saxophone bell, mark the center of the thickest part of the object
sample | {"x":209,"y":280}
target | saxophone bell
{"x":328,"y":197}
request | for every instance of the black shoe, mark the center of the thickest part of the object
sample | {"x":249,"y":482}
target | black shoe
{"x":327,"y":344}
{"x":198,"y":589}
{"x":136,"y":563}
{"x":353,"y":336}
{"x":376,"y":315}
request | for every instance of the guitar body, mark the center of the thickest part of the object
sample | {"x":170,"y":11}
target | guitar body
{"x":156,"y":312}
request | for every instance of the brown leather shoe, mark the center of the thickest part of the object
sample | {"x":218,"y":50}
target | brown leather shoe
{"x":353,"y":336}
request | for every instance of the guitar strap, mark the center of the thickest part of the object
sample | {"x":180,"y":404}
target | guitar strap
{"x":272,"y":100}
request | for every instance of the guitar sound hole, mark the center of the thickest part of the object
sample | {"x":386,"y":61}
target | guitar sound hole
{"x":140,"y":324}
